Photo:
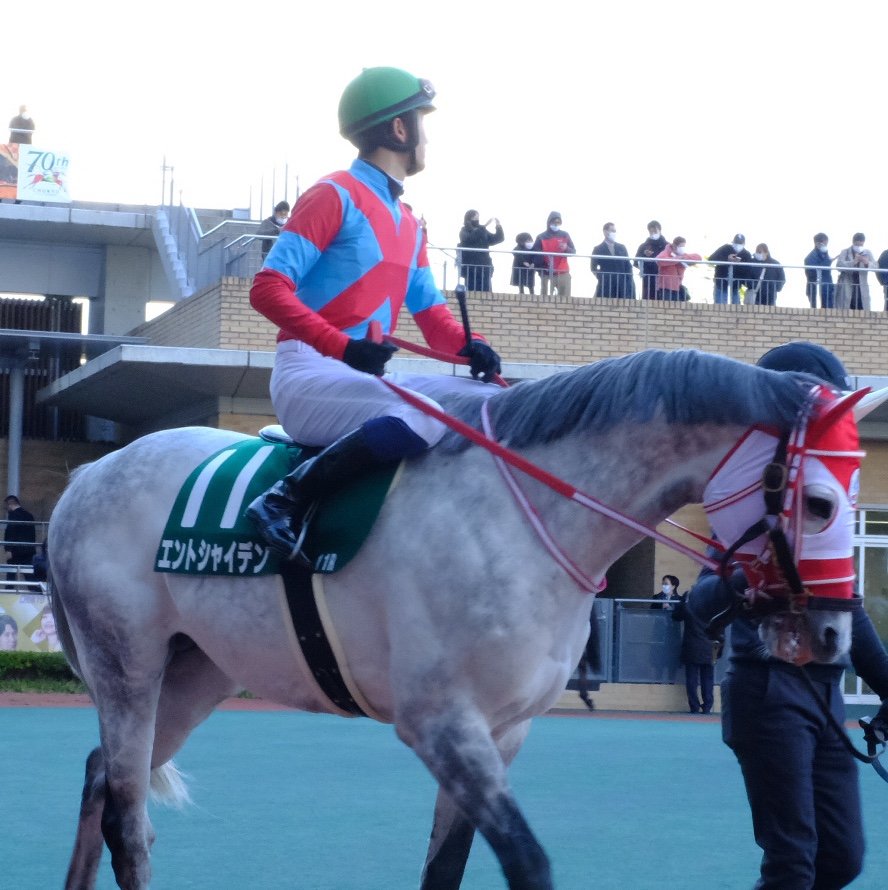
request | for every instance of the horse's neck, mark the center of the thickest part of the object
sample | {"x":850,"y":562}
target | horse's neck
{"x":647,"y":472}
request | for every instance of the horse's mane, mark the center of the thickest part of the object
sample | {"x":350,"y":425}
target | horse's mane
{"x":681,"y":387}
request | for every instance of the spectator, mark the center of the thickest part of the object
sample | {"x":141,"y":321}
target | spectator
{"x":820,"y":278}
{"x":19,"y":535}
{"x":523,"y":263}
{"x":672,"y":262}
{"x":698,"y":655}
{"x":767,"y":282}
{"x":883,"y":276}
{"x":852,"y":290}
{"x":8,"y":633}
{"x":653,"y":247}
{"x":21,"y":127}
{"x":554,"y":270}
{"x":727,"y":279}
{"x":475,"y":265}
{"x":614,"y":274}
{"x":272,"y":225}
{"x":667,"y":594}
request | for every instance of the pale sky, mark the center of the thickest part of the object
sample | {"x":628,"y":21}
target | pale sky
{"x":758,"y":117}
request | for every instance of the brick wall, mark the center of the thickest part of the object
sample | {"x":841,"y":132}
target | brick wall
{"x":528,"y":328}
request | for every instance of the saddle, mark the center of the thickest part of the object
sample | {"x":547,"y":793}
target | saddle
{"x":206,"y":532}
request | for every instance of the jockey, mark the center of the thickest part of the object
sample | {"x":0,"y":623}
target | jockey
{"x":351,"y":253}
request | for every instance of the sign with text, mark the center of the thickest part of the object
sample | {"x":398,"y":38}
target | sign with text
{"x":42,"y":175}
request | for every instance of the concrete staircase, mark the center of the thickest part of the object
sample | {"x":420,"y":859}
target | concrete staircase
{"x":175,"y":270}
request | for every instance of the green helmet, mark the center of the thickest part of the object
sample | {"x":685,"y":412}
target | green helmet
{"x":381,"y":94}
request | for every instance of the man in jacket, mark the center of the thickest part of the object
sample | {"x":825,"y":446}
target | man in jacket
{"x":19,"y":536}
{"x":820,"y":276}
{"x":852,"y":289}
{"x":727,"y":276}
{"x":644,"y":262}
{"x":801,"y":781}
{"x":553,"y":268}
{"x":614,"y":273}
{"x":272,"y":225}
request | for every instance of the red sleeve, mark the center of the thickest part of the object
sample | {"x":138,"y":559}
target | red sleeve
{"x":274,"y":295}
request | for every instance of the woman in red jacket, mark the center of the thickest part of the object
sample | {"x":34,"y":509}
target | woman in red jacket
{"x":671,"y":263}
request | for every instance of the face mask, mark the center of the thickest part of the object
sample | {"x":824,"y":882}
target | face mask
{"x":554,"y":227}
{"x":680,"y":250}
{"x":667,"y":589}
{"x":655,"y":236}
{"x":856,"y":249}
{"x":611,"y":236}
{"x":822,"y":248}
{"x":737,"y":247}
{"x":759,"y":256}
{"x":528,"y":245}
{"x":280,"y":220}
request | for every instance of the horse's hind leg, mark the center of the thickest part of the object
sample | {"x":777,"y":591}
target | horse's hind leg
{"x":452,"y":833}
{"x":89,"y":844}
{"x":458,"y":749}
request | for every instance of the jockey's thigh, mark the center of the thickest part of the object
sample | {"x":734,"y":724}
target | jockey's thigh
{"x":319,"y":399}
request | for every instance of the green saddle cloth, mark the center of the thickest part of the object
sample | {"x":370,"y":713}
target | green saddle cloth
{"x":207,"y":533}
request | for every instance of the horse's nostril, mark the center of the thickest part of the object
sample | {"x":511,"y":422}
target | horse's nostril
{"x":830,"y":635}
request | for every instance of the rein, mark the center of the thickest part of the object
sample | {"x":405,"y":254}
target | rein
{"x":559,"y":486}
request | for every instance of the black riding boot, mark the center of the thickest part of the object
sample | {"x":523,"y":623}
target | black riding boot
{"x":283,"y":507}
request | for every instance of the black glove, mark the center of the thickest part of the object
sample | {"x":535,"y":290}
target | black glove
{"x":483,"y":361}
{"x":367,"y":356}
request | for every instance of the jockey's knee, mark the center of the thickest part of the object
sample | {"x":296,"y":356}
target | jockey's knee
{"x":390,"y":439}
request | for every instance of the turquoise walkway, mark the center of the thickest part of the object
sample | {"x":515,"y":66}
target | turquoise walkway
{"x":288,"y":800}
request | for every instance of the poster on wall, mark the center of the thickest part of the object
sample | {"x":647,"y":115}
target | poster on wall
{"x":42,"y":175}
{"x":27,"y":623}
{"x":9,"y":158}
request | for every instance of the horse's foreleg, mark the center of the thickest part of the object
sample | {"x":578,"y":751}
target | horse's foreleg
{"x":452,"y":833}
{"x":88,"y":845}
{"x":459,"y":751}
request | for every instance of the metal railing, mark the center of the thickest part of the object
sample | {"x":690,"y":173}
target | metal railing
{"x":742,"y":282}
{"x":640,"y":643}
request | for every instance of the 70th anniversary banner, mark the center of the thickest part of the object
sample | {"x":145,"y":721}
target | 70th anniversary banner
{"x":30,"y":173}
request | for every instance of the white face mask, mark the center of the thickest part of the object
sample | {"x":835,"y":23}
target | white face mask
{"x":528,"y":245}
{"x":554,"y":227}
{"x":857,"y":249}
{"x":822,"y":248}
{"x":680,"y":250}
{"x":280,"y":220}
{"x":655,"y":236}
{"x":611,"y":236}
{"x":759,"y":256}
{"x":737,"y":247}
{"x":667,"y":589}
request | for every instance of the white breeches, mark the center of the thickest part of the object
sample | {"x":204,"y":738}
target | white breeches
{"x":318,"y":399}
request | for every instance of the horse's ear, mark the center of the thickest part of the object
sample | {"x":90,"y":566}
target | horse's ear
{"x":833,"y":411}
{"x":870,"y":401}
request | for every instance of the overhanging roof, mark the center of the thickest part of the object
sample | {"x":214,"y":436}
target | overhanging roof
{"x":138,"y":385}
{"x":19,"y":345}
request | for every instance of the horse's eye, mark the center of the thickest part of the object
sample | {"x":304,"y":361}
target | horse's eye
{"x":820,"y":508}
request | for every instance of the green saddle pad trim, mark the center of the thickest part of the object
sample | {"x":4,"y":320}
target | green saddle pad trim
{"x":207,"y":533}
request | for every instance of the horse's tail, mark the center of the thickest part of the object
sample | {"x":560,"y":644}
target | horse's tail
{"x":168,"y":786}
